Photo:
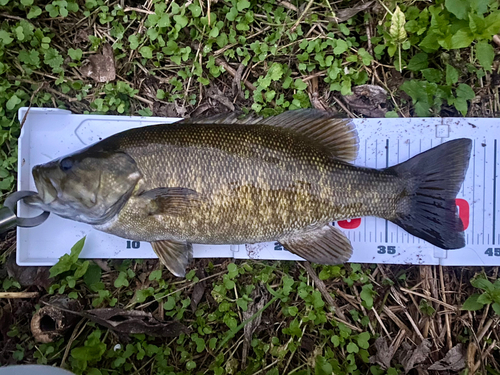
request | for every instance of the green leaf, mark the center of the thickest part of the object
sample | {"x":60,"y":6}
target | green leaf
{"x":418,"y":62}
{"x":75,"y":54}
{"x":30,"y":57}
{"x":485,"y":299}
{"x":121,"y":280}
{"x":300,"y":85}
{"x":81,"y":269}
{"x":89,"y":353}
{"x":397,"y":30}
{"x":34,"y":12}
{"x":12,"y":102}
{"x":170,"y":303}
{"x":27,"y":2}
{"x":67,"y":260}
{"x":93,"y":274}
{"x":461,"y":39}
{"x":451,"y":75}
{"x":293,"y":310}
{"x":485,"y":55}
{"x":430,"y":42}
{"x":471,"y":303}
{"x":54,"y":59}
{"x":232,"y":14}
{"x":214,"y":33}
{"x":432,"y":75}
{"x":155,"y":275}
{"x":164,"y":20}
{"x":465,"y":91}
{"x":352,"y":348}
{"x":146,"y":52}
{"x":341,"y":47}
{"x":181,"y":21}
{"x":195,"y":10}
{"x":275,"y":72}
{"x":496,"y":308}
{"x":459,"y":8}
{"x":367,"y":295}
{"x":363,"y":339}
{"x":5,"y":37}
{"x":243,"y":4}
{"x":134,"y":41}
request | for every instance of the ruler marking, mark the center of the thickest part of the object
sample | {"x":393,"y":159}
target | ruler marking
{"x":364,"y":221}
{"x":376,"y":166}
{"x":484,"y":188}
{"x":473,"y":187}
{"x":387,"y":166}
{"x":397,"y":227}
{"x":494,"y":188}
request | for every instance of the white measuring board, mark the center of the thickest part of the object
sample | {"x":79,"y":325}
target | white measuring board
{"x":51,"y":133}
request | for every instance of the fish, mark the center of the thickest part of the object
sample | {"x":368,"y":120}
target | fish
{"x":233,"y":180}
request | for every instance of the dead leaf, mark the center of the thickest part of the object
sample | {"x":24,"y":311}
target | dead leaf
{"x":384,"y":354}
{"x":199,"y":289}
{"x":454,"y":360}
{"x":28,"y":276}
{"x":346,"y":14}
{"x":259,"y":298}
{"x":409,"y":358}
{"x":133,"y":322}
{"x":369,"y":100}
{"x":213,"y":92}
{"x":101,"y":67}
{"x":164,"y":110}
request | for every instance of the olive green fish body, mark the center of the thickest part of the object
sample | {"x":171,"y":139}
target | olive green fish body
{"x":252,"y":183}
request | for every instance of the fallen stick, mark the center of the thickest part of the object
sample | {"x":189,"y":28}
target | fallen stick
{"x":19,"y":294}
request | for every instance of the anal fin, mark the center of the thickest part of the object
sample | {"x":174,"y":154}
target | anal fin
{"x":325,"y":245}
{"x":174,"y":255}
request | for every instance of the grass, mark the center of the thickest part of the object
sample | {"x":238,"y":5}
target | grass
{"x":201,"y":58}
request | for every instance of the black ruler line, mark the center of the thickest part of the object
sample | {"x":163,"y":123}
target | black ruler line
{"x":387,"y":166}
{"x":494,"y":188}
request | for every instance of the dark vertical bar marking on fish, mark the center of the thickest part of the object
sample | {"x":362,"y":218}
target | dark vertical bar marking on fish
{"x":473,"y":186}
{"x":387,"y":166}
{"x":494,"y":188}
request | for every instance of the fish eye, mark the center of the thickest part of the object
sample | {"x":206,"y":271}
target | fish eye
{"x":66,"y":164}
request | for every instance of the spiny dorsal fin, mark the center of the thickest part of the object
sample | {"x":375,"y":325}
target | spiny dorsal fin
{"x":174,"y":255}
{"x":325,"y":245}
{"x":337,"y":135}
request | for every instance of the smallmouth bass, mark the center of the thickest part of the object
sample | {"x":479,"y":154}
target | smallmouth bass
{"x":225,"y":180}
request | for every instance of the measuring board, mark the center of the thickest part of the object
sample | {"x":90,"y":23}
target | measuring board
{"x":51,"y":133}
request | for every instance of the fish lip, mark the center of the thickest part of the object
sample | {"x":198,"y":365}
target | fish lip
{"x":47,"y":192}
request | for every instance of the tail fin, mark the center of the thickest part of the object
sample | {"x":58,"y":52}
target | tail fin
{"x":427,"y":208}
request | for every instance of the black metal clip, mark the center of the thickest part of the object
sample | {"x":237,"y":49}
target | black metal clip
{"x":9,"y":220}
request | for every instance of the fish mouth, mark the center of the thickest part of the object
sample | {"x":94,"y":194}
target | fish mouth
{"x":47,"y":193}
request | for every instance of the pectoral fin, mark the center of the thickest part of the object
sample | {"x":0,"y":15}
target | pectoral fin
{"x":174,"y":255}
{"x":171,"y":200}
{"x":325,"y":245}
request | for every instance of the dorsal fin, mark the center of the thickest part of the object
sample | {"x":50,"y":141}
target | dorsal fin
{"x":335,"y":134}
